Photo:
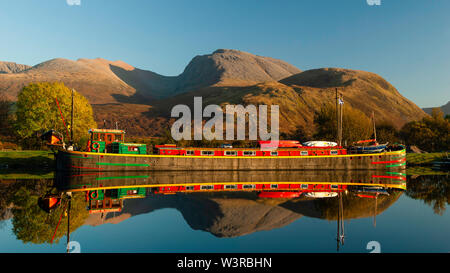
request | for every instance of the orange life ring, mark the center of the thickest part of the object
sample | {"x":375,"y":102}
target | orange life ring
{"x":95,"y":146}
{"x":93,"y":195}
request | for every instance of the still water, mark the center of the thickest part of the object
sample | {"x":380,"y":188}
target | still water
{"x":227,"y":212}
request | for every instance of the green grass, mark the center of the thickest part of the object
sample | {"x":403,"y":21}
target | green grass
{"x":26,"y":164}
{"x":13,"y":176}
{"x":424,"y":159}
{"x":423,"y":171}
{"x":25,"y":154}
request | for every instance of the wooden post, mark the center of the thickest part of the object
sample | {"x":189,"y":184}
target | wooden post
{"x":341,"y":108}
{"x":337,"y":116}
{"x":68,"y":224}
{"x":71,"y":121}
{"x":374,"y":128}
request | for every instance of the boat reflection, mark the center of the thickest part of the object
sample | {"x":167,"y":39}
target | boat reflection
{"x":235,"y":203}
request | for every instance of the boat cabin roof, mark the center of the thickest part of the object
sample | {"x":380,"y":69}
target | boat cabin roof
{"x":249,"y":149}
{"x":108,"y":131}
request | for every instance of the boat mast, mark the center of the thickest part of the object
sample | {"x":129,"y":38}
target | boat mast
{"x":68,"y":223}
{"x":374,"y":128}
{"x":71,"y":121}
{"x":341,"y":108}
{"x":340,"y":223}
{"x":337,"y":116}
{"x":375,"y":212}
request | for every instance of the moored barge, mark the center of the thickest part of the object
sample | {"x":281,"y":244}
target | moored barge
{"x":107,"y":151}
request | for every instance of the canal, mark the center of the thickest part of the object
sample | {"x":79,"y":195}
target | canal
{"x":294,"y":212}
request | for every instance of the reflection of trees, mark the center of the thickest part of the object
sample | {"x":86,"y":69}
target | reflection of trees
{"x":434,"y":190}
{"x":32,"y":224}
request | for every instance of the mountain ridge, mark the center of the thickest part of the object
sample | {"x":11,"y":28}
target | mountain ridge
{"x":140,"y":100}
{"x":444,"y":108}
{"x":11,"y":67}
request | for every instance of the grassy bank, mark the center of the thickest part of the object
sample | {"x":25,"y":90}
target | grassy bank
{"x":26,"y":164}
{"x":423,"y":159}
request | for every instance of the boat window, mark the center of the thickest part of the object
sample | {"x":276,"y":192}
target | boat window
{"x":132,"y":192}
{"x":334,"y":187}
{"x":249,"y":153}
{"x":207,"y":153}
{"x":230,"y":153}
{"x":133,"y":149}
{"x":334,"y":152}
{"x":207,"y":187}
{"x":109,"y":137}
{"x":230,"y":187}
{"x":97,"y":137}
{"x":304,"y":186}
{"x":189,"y":188}
{"x":274,"y":186}
{"x":304,"y":153}
{"x":248,"y":186}
{"x":274,"y":153}
{"x":190,"y":153}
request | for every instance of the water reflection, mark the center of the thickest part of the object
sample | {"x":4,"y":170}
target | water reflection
{"x":226,"y":204}
{"x":433,"y":190}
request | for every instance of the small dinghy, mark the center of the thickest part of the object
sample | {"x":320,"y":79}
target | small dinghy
{"x":372,"y":147}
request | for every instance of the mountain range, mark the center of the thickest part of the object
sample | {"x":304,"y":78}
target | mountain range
{"x":141,"y":101}
{"x":444,"y":108}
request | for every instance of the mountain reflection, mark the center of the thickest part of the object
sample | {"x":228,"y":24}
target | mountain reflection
{"x":226,"y":204}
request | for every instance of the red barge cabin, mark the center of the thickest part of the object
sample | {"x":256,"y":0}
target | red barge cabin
{"x":108,"y":151}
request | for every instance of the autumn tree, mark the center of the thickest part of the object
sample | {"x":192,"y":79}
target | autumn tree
{"x":31,"y":224}
{"x":37,"y":111}
{"x":300,"y":133}
{"x":434,"y":190}
{"x":355,"y":124}
{"x":386,"y":132}
{"x":432,"y":133}
{"x":5,"y":116}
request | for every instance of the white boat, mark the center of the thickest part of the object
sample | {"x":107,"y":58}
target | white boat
{"x":321,"y":194}
{"x":320,"y":144}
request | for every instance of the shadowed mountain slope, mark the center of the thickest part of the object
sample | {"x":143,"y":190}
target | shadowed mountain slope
{"x":444,"y":108}
{"x":300,"y":96}
{"x":141,"y":101}
{"x":9,"y":67}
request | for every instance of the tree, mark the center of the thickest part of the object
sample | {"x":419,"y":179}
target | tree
{"x":355,"y":125}
{"x":434,"y":190}
{"x":5,"y":117}
{"x":430,"y":134}
{"x":37,"y":111}
{"x":299,"y":134}
{"x":386,"y":132}
{"x":33,"y":225}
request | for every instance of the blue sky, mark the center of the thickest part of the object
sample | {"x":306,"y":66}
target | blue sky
{"x":405,"y":41}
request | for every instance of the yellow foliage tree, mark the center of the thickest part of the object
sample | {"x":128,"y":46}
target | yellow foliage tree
{"x":355,"y":124}
{"x":37,"y":111}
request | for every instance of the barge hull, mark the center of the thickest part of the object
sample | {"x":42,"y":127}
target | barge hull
{"x":79,"y":162}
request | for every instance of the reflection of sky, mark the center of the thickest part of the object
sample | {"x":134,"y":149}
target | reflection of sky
{"x":407,"y":226}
